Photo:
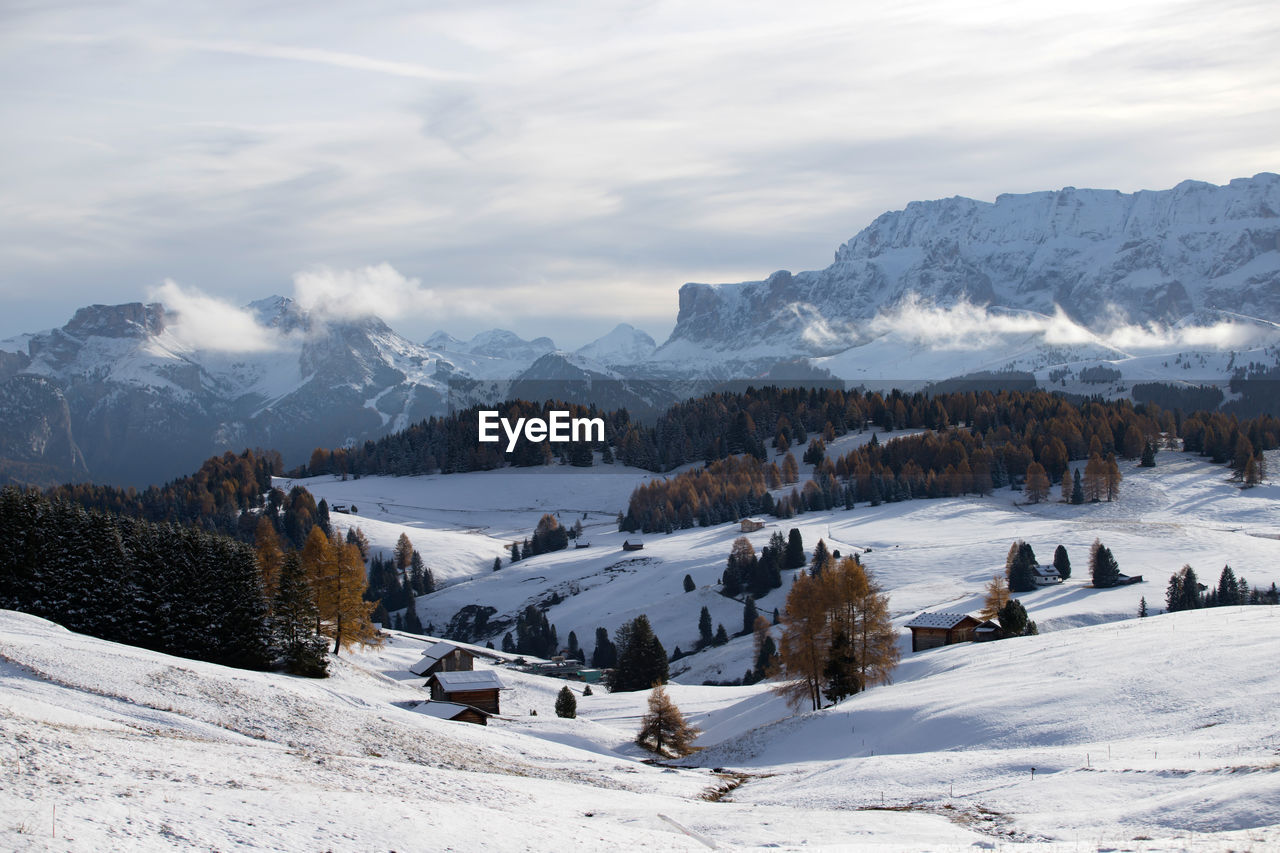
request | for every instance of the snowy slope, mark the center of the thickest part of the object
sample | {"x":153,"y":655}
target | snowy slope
{"x":1153,"y":727}
{"x":107,"y":747}
{"x":928,"y":554}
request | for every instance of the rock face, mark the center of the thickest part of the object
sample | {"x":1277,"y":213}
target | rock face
{"x":1104,"y":257}
{"x":36,"y":444}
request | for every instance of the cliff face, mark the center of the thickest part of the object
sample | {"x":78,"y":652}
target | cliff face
{"x":36,"y":444}
{"x":1104,"y":257}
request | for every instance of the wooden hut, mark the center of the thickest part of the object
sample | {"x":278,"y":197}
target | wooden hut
{"x":454,"y":711}
{"x":632,"y":545}
{"x":750,"y":525}
{"x":443,"y":657}
{"x":931,"y":630}
{"x":987,"y":631}
{"x":478,"y":688}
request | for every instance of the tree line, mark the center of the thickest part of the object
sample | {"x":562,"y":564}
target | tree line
{"x":449,"y":444}
{"x":214,"y":498}
{"x":1013,"y":438}
{"x":183,"y":590}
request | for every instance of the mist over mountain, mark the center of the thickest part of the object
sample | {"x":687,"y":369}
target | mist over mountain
{"x":1180,"y":285}
{"x":1103,"y":260}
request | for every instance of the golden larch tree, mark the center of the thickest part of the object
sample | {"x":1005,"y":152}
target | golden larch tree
{"x":266,"y":545}
{"x":997,"y":597}
{"x":1037,"y":488}
{"x":338,"y":580}
{"x":1111,"y":477}
{"x":663,"y":729}
{"x":806,"y":639}
{"x":843,"y":603}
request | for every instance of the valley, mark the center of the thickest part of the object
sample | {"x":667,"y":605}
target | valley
{"x":1151,"y":734}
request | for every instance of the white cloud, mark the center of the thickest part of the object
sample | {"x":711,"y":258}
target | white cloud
{"x":966,"y":326}
{"x":207,"y":323}
{"x":649,"y":141}
{"x":351,"y":294}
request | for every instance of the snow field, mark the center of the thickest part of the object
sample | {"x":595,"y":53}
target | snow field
{"x":1157,"y":726}
{"x":927,"y":554}
{"x":112,"y":747}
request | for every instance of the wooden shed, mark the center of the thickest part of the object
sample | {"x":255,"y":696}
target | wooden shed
{"x":632,"y":545}
{"x":478,"y":688}
{"x":454,"y":711}
{"x":931,"y":630}
{"x":751,"y":525}
{"x":987,"y":631}
{"x":444,"y":657}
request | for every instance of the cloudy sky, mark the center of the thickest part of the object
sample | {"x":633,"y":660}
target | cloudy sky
{"x":555,"y":167}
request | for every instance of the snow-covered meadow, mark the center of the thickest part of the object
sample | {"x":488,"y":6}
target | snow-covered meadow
{"x":1153,"y":734}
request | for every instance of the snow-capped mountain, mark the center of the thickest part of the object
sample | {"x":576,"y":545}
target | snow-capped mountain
{"x":493,"y":355}
{"x":1099,"y":258}
{"x":145,"y":406}
{"x":120,"y":394}
{"x":1181,"y":285}
{"x":625,"y":345}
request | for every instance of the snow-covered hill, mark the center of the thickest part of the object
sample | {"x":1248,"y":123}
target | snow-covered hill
{"x":928,"y":554}
{"x":1162,"y":728}
{"x":1153,"y":734}
{"x":107,"y":747}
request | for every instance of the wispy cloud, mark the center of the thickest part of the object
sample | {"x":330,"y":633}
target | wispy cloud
{"x":373,"y":291}
{"x":487,"y":148}
{"x":263,"y":50}
{"x":206,"y":322}
{"x":965,"y":326}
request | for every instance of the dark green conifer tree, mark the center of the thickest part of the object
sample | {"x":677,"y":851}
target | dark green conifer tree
{"x":412,"y":622}
{"x":749,"y":615}
{"x":605,"y":653}
{"x":642,"y":662}
{"x":704,"y":628}
{"x":840,"y":674}
{"x":1148,"y":456}
{"x":1062,"y":562}
{"x":1103,"y":567}
{"x":1013,"y":618}
{"x":1228,"y":588}
{"x":566,"y":703}
{"x":1022,"y":569}
{"x":293,"y":621}
{"x":795,"y":550}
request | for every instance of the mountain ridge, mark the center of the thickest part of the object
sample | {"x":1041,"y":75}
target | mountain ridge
{"x":1045,"y":283}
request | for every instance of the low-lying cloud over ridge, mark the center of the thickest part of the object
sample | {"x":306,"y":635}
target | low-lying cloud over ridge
{"x":965,"y":327}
